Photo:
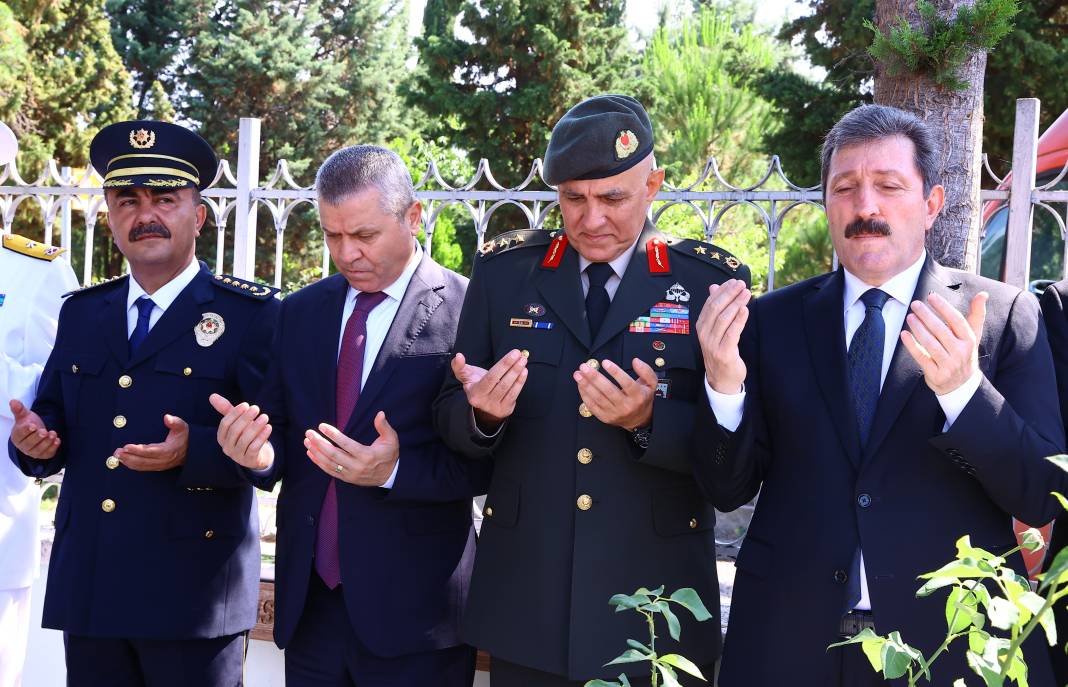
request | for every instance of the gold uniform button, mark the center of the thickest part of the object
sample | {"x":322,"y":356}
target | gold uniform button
{"x":693,"y":523}
{"x":592,"y":362}
{"x":525,"y":353}
{"x":209,"y":534}
{"x":585,"y":502}
{"x":585,"y":456}
{"x":119,"y":421}
{"x":112,"y":462}
{"x":107,"y":505}
{"x":126,"y":381}
{"x":488,"y":512}
{"x":660,"y":362}
{"x":584,"y":410}
{"x":187,"y":371}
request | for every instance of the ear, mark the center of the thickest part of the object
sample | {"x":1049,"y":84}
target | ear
{"x":202,"y":216}
{"x":653,"y":183}
{"x":935,"y":202}
{"x":412,"y":216}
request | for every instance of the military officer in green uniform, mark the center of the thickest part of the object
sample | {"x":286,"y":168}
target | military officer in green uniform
{"x":576,"y":372}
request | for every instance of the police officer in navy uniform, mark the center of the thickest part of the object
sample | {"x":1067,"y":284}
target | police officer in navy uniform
{"x":154,"y":572}
{"x":577,"y":372}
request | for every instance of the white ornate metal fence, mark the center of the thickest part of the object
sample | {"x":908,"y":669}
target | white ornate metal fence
{"x":234,"y":199}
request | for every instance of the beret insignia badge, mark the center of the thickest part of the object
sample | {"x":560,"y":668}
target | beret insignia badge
{"x":626,"y":144}
{"x":142,"y":139}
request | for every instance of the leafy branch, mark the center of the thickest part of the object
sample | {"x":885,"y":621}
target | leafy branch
{"x":939,"y":47}
{"x":651,"y":604}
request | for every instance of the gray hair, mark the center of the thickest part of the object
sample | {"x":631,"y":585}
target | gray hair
{"x":869,"y":123}
{"x":355,"y":169}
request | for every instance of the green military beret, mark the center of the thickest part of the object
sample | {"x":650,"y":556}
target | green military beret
{"x":600,"y":137}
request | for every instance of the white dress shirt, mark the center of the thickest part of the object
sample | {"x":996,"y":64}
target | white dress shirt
{"x":30,"y":299}
{"x":163,"y":297}
{"x":901,"y":287}
{"x":379,"y":321}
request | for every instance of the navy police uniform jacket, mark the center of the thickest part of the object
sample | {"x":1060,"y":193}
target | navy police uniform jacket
{"x":576,"y":511}
{"x":155,"y":555}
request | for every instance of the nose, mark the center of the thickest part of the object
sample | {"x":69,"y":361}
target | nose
{"x":593,"y":217}
{"x":867,"y":204}
{"x":349,"y":251}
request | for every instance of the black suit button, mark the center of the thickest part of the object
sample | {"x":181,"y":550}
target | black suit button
{"x":864,"y":500}
{"x":840,"y":576}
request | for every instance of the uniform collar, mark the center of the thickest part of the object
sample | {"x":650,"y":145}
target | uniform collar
{"x":166,"y":294}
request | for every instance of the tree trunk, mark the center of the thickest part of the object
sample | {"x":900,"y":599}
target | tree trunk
{"x":957,"y":117}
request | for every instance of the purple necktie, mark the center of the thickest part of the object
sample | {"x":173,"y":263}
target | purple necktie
{"x":349,"y":377}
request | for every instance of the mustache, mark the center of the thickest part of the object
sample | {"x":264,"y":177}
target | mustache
{"x":153,"y":229}
{"x":867,"y":227}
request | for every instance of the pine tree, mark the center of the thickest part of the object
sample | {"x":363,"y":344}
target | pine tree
{"x":496,"y":87}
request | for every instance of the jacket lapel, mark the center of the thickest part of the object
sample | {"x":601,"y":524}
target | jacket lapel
{"x":905,"y":373}
{"x":824,"y":329}
{"x":324,"y":333}
{"x":180,"y":318}
{"x":562,"y":290}
{"x":113,"y":322}
{"x":421,"y":299}
{"x":638,"y":291}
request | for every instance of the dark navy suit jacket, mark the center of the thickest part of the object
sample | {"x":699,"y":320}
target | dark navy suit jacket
{"x":905,"y":499}
{"x":177,"y":556}
{"x":406,"y":552}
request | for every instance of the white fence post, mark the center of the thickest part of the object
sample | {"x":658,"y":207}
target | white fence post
{"x":65,"y":211}
{"x":1024,"y":163}
{"x":248,"y":175}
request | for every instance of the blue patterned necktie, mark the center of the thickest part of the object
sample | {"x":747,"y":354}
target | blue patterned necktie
{"x":144,"y":312}
{"x":865,"y":358}
{"x":597,"y":300}
{"x":866,"y":361}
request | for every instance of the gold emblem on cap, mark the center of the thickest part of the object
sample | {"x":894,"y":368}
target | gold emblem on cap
{"x":142,"y":139}
{"x":626,"y":144}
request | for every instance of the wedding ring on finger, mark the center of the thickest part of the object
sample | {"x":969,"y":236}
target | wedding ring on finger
{"x":339,"y":468}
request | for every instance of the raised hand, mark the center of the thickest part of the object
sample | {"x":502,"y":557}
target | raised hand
{"x":243,"y":433}
{"x":168,"y":454}
{"x":945,"y":343}
{"x":719,"y":327}
{"x":492,"y":393}
{"x":29,"y":434}
{"x":350,"y":461}
{"x":628,"y":405}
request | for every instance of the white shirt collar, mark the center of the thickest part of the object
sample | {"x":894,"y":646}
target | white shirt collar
{"x":619,"y":265}
{"x":166,"y":294}
{"x":400,"y":285}
{"x":901,"y":287}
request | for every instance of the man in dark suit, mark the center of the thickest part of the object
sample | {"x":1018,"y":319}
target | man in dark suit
{"x":375,"y":540}
{"x":871,"y":456}
{"x":154,"y":573}
{"x":576,"y":375}
{"x":1057,"y":327}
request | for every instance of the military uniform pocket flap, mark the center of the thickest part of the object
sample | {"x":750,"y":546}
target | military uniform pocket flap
{"x":660,"y":352}
{"x":541,"y":345}
{"x":186,"y":367}
{"x":76,"y":363}
{"x":681,"y":510}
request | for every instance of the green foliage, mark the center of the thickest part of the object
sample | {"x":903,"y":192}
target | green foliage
{"x":652,"y":603}
{"x":939,"y":47}
{"x":13,"y":63}
{"x":699,"y":85}
{"x":985,"y":594}
{"x":496,"y":88}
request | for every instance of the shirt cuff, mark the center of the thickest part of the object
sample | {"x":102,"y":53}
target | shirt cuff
{"x":392,"y":476}
{"x":481,"y":434}
{"x":954,"y":402}
{"x":727,"y":407}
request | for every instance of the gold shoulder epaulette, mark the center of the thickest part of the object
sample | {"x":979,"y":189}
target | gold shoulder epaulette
{"x":248,"y":288}
{"x":515,"y":239}
{"x":706,"y":252}
{"x":33,"y":249}
{"x":112,"y":281}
